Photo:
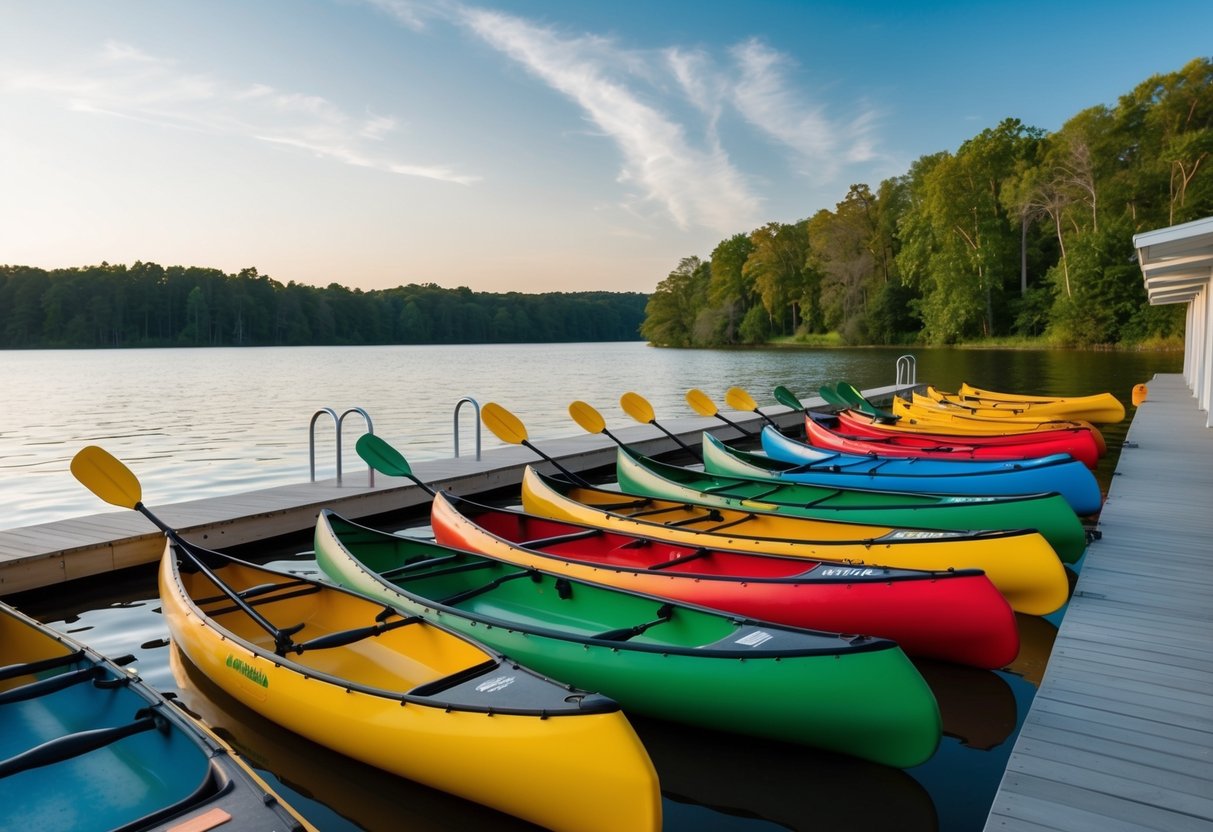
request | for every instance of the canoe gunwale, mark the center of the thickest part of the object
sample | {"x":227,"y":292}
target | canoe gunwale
{"x":593,"y":703}
{"x":853,"y":646}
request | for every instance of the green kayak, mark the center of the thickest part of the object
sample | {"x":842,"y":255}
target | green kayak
{"x":1049,"y":514}
{"x":853,"y":694}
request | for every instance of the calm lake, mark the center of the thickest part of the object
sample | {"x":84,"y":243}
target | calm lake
{"x":194,"y":423}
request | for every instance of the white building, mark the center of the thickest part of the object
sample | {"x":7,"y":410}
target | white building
{"x":1177,"y":263}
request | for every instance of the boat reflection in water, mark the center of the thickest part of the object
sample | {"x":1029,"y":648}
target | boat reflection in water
{"x":977,"y":706}
{"x":789,"y":785}
{"x":1036,"y":637}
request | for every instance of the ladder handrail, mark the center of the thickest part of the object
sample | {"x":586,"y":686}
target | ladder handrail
{"x":907,"y":371}
{"x":476,"y":405}
{"x":337,"y":423}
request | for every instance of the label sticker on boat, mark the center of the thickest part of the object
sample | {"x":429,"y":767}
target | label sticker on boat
{"x":849,"y":572}
{"x":497,"y":683}
{"x":921,"y":534}
{"x":246,"y":670}
{"x":953,"y":500}
{"x":755,"y":638}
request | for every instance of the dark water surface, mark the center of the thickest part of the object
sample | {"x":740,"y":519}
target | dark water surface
{"x":711,"y":781}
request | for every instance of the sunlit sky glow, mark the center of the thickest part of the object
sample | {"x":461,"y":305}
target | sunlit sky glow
{"x":513,"y":146}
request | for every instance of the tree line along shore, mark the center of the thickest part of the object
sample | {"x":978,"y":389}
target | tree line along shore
{"x":1018,"y":234}
{"x":147,"y":305}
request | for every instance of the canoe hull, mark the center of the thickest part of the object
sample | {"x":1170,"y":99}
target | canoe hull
{"x":870,"y":703}
{"x":155,"y":780}
{"x":825,"y":436}
{"x":951,"y":616}
{"x":792,"y":461}
{"x":1101,"y":408}
{"x":1077,"y":442}
{"x":1021,"y":564}
{"x":457,"y":751}
{"x":1049,"y":514}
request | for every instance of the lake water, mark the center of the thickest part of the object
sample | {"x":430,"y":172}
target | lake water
{"x":195,"y":423}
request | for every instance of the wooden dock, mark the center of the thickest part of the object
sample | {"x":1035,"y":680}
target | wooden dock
{"x":53,"y":553}
{"x":1120,"y":734}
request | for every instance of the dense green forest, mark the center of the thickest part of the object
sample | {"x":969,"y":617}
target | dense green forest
{"x":1018,"y":232}
{"x":146,"y":305}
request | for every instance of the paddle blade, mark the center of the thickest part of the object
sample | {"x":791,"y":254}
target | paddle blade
{"x":638,"y":407}
{"x":700,"y":403}
{"x":591,"y":420}
{"x":739,"y":399}
{"x":787,"y":398}
{"x":106,"y":476}
{"x":505,"y":425}
{"x":381,"y":456}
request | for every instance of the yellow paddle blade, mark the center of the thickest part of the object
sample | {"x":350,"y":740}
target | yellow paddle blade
{"x":638,"y":407}
{"x":591,"y":420}
{"x":700,"y":403}
{"x":505,"y":425}
{"x":104,"y":475}
{"x":739,"y":399}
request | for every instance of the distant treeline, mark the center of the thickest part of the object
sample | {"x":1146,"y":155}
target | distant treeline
{"x":146,"y":305}
{"x":1018,"y":232}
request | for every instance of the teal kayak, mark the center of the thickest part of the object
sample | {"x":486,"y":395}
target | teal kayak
{"x":87,"y":745}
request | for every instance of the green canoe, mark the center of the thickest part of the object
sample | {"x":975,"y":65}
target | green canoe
{"x":856,"y":695}
{"x":1049,"y":514}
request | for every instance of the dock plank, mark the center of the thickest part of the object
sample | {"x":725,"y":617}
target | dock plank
{"x":1120,"y":734}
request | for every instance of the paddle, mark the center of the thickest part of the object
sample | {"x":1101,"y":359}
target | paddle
{"x":509,"y":428}
{"x":385,"y":459}
{"x":828,"y":392}
{"x":591,"y":420}
{"x":860,"y":403}
{"x":638,"y":407}
{"x":787,"y":398}
{"x":704,"y":406}
{"x":106,"y":476}
{"x":739,"y":399}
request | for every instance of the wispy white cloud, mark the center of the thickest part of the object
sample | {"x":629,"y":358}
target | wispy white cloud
{"x":124,"y":81}
{"x":694,"y":182}
{"x":635,"y":98}
{"x":766,"y":99}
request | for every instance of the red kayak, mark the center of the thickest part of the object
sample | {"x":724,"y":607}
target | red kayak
{"x":833,"y":432}
{"x":956,"y":616}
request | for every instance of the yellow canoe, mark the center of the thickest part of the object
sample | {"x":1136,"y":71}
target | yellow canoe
{"x":1021,"y":563}
{"x":409,"y":697}
{"x":1100,"y":408}
{"x":925,"y":415}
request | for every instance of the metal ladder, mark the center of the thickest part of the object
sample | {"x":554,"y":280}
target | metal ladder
{"x":907,"y":371}
{"x":338,"y":421}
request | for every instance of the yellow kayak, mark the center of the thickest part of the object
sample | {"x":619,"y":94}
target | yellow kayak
{"x":1020,"y":563}
{"x":1100,"y":408}
{"x":409,"y":697}
{"x":926,"y":415}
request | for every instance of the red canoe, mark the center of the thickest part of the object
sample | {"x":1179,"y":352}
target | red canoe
{"x":830,"y":431}
{"x":957,"y":616}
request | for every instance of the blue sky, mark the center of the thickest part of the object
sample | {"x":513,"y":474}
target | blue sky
{"x":510,"y":146}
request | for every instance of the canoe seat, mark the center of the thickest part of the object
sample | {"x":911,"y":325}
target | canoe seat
{"x":494,"y":686}
{"x":80,"y":743}
{"x":42,"y":687}
{"x":664,"y":613}
{"x":12,"y":671}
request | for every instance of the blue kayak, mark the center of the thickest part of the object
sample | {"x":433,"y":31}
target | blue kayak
{"x":86,"y":745}
{"x":790,"y":460}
